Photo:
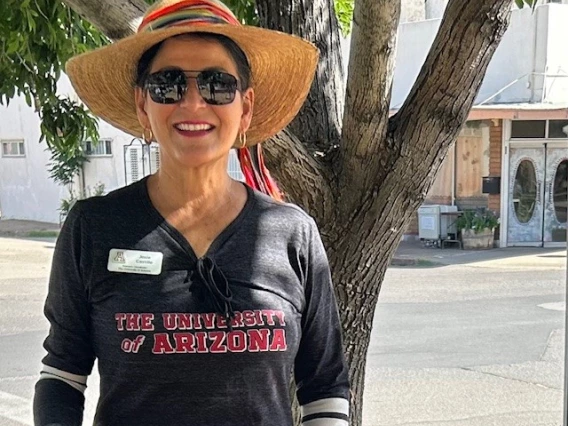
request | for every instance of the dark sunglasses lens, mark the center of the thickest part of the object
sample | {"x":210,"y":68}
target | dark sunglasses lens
{"x":217,"y":88}
{"x":167,"y":87}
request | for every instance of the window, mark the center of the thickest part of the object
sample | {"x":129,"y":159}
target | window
{"x":102,"y":148}
{"x":14,"y":148}
{"x":558,"y":129}
{"x":524,"y":129}
{"x":539,"y":129}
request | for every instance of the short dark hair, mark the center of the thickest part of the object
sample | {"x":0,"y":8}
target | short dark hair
{"x":232,"y":48}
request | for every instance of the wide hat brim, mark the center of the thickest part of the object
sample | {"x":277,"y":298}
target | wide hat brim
{"x":282,"y":66}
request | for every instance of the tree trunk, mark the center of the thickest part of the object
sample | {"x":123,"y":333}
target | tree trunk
{"x":115,"y":18}
{"x":363,"y":175}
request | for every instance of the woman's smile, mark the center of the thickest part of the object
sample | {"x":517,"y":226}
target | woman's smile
{"x":194,"y":129}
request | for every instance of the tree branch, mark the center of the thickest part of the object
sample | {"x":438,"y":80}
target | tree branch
{"x":319,"y":120}
{"x":115,"y":18}
{"x":437,"y":107}
{"x":296,"y":170}
{"x":371,"y":65}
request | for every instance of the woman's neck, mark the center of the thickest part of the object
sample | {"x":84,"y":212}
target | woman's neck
{"x":194,"y":191}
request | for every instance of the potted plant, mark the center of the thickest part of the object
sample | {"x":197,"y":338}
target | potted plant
{"x":477,"y":228}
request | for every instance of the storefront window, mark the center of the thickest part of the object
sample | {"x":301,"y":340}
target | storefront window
{"x":526,"y":129}
{"x":558,"y":129}
{"x":525,"y":191}
{"x":561,"y":192}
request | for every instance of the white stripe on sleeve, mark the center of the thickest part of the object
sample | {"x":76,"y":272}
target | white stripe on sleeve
{"x":326,"y":412}
{"x":326,"y":422}
{"x":78,"y":382}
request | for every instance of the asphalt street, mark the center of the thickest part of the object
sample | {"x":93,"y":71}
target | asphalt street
{"x":464,"y":345}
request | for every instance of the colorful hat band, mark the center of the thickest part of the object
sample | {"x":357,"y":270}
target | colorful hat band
{"x":188,"y":12}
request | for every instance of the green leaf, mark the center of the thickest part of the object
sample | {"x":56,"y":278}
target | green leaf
{"x":344,"y":12}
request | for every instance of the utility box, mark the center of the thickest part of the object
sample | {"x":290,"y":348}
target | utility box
{"x":429,"y":222}
{"x":435,"y":222}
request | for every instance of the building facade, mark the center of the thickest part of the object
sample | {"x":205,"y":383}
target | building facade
{"x":516,"y":137}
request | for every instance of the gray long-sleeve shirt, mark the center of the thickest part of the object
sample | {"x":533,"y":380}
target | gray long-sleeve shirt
{"x":127,"y":288}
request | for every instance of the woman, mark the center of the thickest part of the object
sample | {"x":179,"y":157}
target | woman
{"x":199,"y":296}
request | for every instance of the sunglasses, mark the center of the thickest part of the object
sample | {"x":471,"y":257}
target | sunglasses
{"x":170,"y":86}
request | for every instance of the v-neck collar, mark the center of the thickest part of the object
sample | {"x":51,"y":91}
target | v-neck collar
{"x":178,"y":236}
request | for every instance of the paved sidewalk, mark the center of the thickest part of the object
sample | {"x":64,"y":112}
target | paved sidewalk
{"x":412,"y":253}
{"x":27,"y":228}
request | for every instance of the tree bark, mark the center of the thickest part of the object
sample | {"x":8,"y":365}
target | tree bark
{"x":319,"y":120}
{"x":115,"y":18}
{"x":363,"y":183}
{"x":371,"y":71}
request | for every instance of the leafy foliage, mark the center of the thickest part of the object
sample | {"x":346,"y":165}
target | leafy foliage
{"x":521,"y":3}
{"x":245,"y":10}
{"x":344,"y":12}
{"x":477,"y":220}
{"x":38,"y":37}
{"x":68,"y":203}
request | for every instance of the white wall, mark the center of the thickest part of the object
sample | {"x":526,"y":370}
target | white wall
{"x":26,"y":191}
{"x":412,"y":11}
{"x":556,"y":66}
{"x":515,"y":60}
{"x":435,"y":8}
{"x":108,"y":170}
{"x":414,"y":41}
{"x":534,"y":43}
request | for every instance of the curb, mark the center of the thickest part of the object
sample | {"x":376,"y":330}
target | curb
{"x":40,"y":233}
{"x":408,"y":261}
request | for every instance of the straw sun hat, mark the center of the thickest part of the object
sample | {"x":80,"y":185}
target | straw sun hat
{"x":282,"y":65}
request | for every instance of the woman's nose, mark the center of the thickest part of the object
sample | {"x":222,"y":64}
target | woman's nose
{"x":192,"y":96}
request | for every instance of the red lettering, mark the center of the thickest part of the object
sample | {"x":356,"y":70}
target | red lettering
{"x":280,"y":316}
{"x":126,"y":345}
{"x":221,"y":321}
{"x":136,"y":343}
{"x":132,"y":322}
{"x":278,"y":340}
{"x":258,"y":318}
{"x":249,"y":318}
{"x":258,"y":340}
{"x":120,"y":321}
{"x":201,"y":345}
{"x":169,"y":321}
{"x":237,"y":341}
{"x":269,"y":314}
{"x":209,"y":320}
{"x":162,"y":344}
{"x":196,"y":321}
{"x":146,"y":320}
{"x":184,"y":321}
{"x":184,"y":343}
{"x":238,"y":320}
{"x":218,"y":338}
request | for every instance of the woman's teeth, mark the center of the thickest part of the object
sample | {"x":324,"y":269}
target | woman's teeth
{"x":193,"y":127}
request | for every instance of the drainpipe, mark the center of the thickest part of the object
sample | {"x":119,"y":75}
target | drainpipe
{"x":82,"y":185}
{"x":454,"y":160}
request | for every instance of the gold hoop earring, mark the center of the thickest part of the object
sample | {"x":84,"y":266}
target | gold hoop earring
{"x":147,"y":140}
{"x":243,"y":140}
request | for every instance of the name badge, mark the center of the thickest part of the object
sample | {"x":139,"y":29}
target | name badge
{"x":135,"y":261}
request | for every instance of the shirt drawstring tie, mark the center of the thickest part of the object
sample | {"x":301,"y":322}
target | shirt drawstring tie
{"x":214,"y":281}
